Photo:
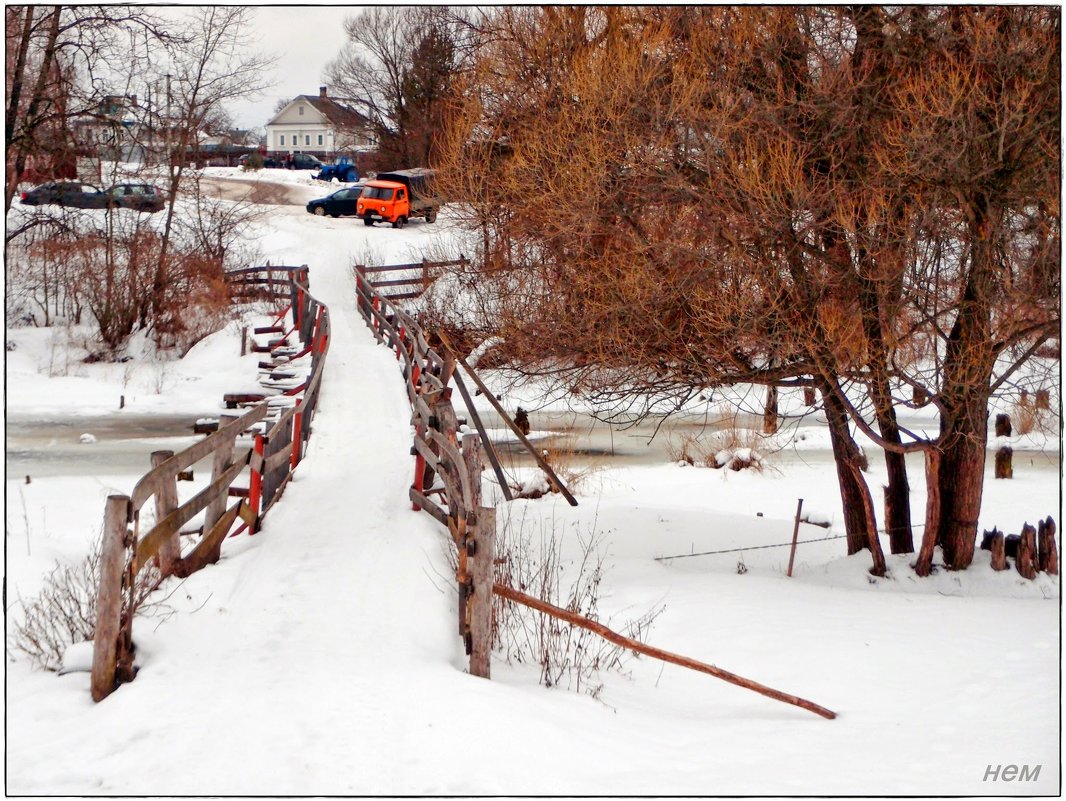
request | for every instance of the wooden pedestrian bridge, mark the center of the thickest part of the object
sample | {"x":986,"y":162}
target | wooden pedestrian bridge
{"x":255,"y":451}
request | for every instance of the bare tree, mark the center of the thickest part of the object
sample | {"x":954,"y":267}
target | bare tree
{"x":776,"y":196}
{"x":215,"y":65}
{"x":396,"y":69}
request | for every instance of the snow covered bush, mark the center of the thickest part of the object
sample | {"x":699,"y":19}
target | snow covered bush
{"x":64,"y":612}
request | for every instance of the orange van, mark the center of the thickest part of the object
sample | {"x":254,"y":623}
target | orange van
{"x":396,"y":197}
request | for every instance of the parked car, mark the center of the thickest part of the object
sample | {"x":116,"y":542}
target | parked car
{"x":66,"y":193}
{"x":343,"y":201}
{"x":304,"y":161}
{"x":395,"y":197}
{"x":140,"y":197}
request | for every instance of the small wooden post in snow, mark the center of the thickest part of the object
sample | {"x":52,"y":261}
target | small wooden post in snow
{"x":109,"y":596}
{"x":481,"y":602}
{"x":795,"y":537}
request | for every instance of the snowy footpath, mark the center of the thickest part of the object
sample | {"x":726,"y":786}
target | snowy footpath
{"x":320,"y":657}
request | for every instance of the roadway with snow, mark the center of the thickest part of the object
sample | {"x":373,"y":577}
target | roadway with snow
{"x":320,"y":657}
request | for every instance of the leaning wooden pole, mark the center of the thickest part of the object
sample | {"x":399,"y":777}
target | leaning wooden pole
{"x":666,"y":656}
{"x":510,"y":423}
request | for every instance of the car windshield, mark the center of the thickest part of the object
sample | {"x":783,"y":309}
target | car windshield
{"x":377,"y":193}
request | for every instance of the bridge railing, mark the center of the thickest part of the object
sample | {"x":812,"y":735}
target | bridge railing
{"x":272,"y":438}
{"x":447,"y":470}
{"x":456,"y":503}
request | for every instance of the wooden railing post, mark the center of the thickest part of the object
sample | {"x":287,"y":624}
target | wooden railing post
{"x":223,"y":458}
{"x":481,"y":602}
{"x":297,"y":439}
{"x":109,"y":596}
{"x":166,"y":501}
{"x":255,"y":483}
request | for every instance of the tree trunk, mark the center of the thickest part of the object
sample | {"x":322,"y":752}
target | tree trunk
{"x":846,"y":456}
{"x":968,"y":363}
{"x":29,"y":121}
{"x":769,"y":417}
{"x":924,"y":566}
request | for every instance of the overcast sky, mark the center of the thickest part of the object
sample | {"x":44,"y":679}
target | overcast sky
{"x":304,"y":39}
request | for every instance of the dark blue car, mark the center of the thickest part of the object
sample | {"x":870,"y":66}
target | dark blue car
{"x":340,"y":202}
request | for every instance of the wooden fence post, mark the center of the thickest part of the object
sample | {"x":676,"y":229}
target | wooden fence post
{"x":166,"y":501}
{"x":481,"y":603}
{"x":795,"y":536}
{"x":109,"y":596}
{"x":255,"y":483}
{"x":222,"y":459}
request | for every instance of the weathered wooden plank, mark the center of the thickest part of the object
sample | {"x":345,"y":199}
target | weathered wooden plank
{"x":490,"y":449}
{"x":166,"y":501}
{"x":454,"y":460}
{"x":522,"y":437}
{"x":109,"y":596}
{"x":283,"y":457}
{"x":207,"y":550}
{"x":223,"y":458}
{"x":428,"y":506}
{"x":172,"y":523}
{"x":413,"y":280}
{"x":148,"y":484}
{"x":657,"y":653}
{"x":481,"y":600}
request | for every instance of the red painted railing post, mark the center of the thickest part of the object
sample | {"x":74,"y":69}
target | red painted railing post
{"x":420,"y":470}
{"x":255,"y":484}
{"x":297,"y":419}
{"x":403,"y":333}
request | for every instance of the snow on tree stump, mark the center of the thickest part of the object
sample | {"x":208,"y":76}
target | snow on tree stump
{"x":1004,"y":462}
{"x":1049,"y":556}
{"x":1026,"y":561}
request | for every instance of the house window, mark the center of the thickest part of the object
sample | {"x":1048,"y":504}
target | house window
{"x":301,"y":111}
{"x":307,"y":139}
{"x":283,"y":140}
{"x":320,"y":139}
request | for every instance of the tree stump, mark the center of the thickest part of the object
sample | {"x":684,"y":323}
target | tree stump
{"x":994,"y":541}
{"x":1003,"y":426}
{"x":1026,"y":562}
{"x":1049,"y":555}
{"x":1004,"y":462}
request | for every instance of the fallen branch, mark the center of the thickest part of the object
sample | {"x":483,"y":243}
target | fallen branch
{"x":657,"y":653}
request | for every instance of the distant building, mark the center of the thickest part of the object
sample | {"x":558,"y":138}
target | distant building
{"x":318,"y":125}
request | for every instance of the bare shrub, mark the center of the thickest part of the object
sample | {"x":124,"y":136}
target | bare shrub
{"x":532,"y":562}
{"x":1030,"y":417}
{"x":64,"y":611}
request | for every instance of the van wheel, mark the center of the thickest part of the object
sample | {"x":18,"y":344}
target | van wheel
{"x":368,"y":221}
{"x":400,"y":222}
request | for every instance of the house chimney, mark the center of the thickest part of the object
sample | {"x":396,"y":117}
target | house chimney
{"x":322,"y":92}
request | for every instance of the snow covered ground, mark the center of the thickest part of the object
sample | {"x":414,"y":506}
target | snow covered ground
{"x":320,"y":656}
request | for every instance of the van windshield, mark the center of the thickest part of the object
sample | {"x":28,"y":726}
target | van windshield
{"x":377,"y":193}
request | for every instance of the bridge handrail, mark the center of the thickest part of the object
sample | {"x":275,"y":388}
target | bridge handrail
{"x":275,"y":452}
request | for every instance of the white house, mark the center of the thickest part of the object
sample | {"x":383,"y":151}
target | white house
{"x":318,"y":125}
